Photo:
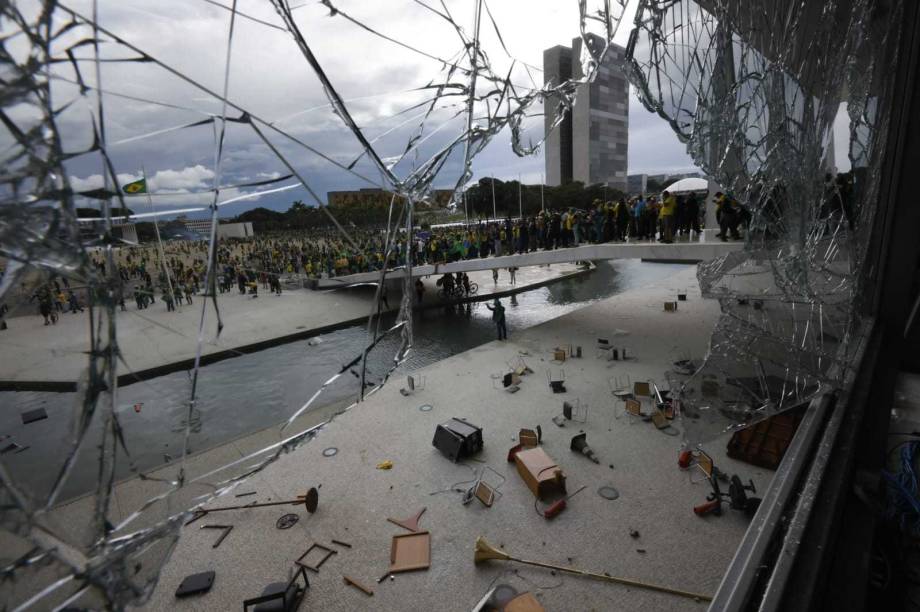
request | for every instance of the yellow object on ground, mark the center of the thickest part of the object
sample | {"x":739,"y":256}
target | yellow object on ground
{"x":385,"y":465}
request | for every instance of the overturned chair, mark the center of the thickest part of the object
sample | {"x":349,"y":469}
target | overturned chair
{"x":280,"y":596}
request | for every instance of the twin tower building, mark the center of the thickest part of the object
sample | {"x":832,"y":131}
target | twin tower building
{"x":591,"y":143}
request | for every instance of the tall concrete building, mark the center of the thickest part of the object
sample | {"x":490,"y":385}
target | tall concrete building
{"x":591,"y":143}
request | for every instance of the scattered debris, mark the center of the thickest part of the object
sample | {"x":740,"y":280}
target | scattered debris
{"x":314,"y":341}
{"x":525,"y":602}
{"x":540,"y":473}
{"x":555,"y":508}
{"x":330,"y":452}
{"x":384,"y":577}
{"x":195,"y":583}
{"x":486,"y":552}
{"x":640,"y":550}
{"x":577,"y":413}
{"x":227,"y":529}
{"x":31,"y":416}
{"x":634,"y":533}
{"x":410,"y":551}
{"x":684,"y":367}
{"x":245,"y":494}
{"x":410,"y":523}
{"x":352,"y":582}
{"x":529,"y":437}
{"x":579,"y":444}
{"x":457,"y":439}
{"x":315,"y":546}
{"x":737,"y":496}
{"x":310,"y":500}
{"x":287,"y":521}
{"x":385,"y":465}
{"x":412,"y":385}
{"x":341,"y":543}
{"x":12,"y":447}
{"x":426,"y":407}
{"x":556,"y":381}
{"x":290,"y":593}
{"x":559,"y":420}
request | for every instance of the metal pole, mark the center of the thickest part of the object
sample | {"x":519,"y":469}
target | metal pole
{"x":520,"y":205}
{"x":156,"y":228}
{"x":542,"y":204}
{"x":494,"y":213}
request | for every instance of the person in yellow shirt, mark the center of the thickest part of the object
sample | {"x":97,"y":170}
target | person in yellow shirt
{"x":666,"y":216}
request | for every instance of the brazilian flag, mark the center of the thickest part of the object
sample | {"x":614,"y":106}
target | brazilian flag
{"x":135,"y":187}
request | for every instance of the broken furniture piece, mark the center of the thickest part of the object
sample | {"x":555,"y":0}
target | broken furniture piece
{"x":556,"y":380}
{"x":226,"y":531}
{"x":195,"y":583}
{"x":642,"y":388}
{"x":410,"y":552}
{"x":30,"y":416}
{"x":310,"y":500}
{"x":410,"y":523}
{"x":352,"y":582}
{"x":413,"y":384}
{"x":579,"y":444}
{"x":486,"y":492}
{"x":457,"y":439}
{"x":280,"y":596}
{"x":519,"y":366}
{"x":604,"y":348}
{"x":577,"y":413}
{"x":529,"y":437}
{"x":301,"y":560}
{"x":484,"y":551}
{"x":633,"y":409}
{"x":737,"y":497}
{"x":541,"y":474}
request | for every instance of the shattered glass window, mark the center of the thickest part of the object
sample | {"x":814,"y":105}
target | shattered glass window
{"x":90,"y":89}
{"x":753,"y":89}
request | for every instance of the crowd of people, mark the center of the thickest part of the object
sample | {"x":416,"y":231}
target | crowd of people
{"x":175,"y":271}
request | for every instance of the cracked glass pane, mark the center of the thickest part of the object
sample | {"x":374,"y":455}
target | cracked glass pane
{"x":753,"y":90}
{"x":90,"y":90}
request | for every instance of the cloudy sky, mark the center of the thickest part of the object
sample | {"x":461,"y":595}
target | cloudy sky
{"x":158,"y":116}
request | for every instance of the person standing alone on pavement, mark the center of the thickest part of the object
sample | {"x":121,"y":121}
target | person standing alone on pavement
{"x":498,"y":315}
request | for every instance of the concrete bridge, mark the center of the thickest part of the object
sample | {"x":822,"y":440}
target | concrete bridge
{"x":679,"y":251}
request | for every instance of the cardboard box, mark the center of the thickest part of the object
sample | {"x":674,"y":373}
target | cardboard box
{"x":559,"y":355}
{"x":540,"y":473}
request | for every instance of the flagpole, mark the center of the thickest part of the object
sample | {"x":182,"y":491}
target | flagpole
{"x":542,"y":205}
{"x":494,"y":213}
{"x":520,"y":205}
{"x":156,"y":227}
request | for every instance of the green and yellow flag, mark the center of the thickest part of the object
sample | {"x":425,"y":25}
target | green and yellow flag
{"x":135,"y":187}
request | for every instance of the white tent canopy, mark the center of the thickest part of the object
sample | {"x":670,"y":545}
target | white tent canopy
{"x":687,"y":185}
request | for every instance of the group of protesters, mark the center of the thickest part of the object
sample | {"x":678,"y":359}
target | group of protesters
{"x":177,"y":270}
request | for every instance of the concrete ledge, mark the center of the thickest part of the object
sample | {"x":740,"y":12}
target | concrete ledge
{"x":682,"y":252}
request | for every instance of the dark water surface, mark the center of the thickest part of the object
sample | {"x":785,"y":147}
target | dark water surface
{"x":248,"y":393}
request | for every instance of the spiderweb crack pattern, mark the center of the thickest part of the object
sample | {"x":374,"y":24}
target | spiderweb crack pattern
{"x":57,"y":109}
{"x":753,"y":89}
